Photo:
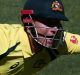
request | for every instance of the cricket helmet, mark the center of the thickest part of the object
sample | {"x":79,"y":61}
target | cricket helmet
{"x":47,"y":8}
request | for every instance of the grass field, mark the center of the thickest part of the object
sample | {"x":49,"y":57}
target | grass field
{"x":65,"y":65}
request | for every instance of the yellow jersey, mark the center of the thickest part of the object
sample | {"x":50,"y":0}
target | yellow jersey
{"x":20,"y":60}
{"x":71,"y":44}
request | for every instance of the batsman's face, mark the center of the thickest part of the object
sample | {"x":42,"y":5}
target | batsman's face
{"x":45,"y":33}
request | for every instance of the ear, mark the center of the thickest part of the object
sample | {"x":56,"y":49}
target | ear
{"x":26,"y":16}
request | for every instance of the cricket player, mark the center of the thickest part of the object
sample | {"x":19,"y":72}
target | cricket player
{"x":26,"y":49}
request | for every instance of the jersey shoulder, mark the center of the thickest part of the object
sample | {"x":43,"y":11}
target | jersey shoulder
{"x":72,"y":42}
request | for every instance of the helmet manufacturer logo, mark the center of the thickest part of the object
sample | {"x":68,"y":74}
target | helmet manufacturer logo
{"x":56,"y":6}
{"x":14,"y":65}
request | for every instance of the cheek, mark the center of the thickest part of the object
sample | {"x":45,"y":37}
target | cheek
{"x":41,"y":30}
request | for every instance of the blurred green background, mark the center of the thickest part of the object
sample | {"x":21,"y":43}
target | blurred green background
{"x":66,"y":64}
{"x":10,"y":11}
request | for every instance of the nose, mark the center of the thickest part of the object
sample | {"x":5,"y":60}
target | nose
{"x":54,"y":29}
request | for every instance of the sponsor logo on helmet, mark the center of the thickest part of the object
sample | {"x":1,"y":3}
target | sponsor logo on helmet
{"x":56,"y":6}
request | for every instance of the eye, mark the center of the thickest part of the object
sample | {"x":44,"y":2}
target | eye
{"x":54,"y":32}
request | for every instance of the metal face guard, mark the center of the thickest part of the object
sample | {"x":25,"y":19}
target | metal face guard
{"x":57,"y":38}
